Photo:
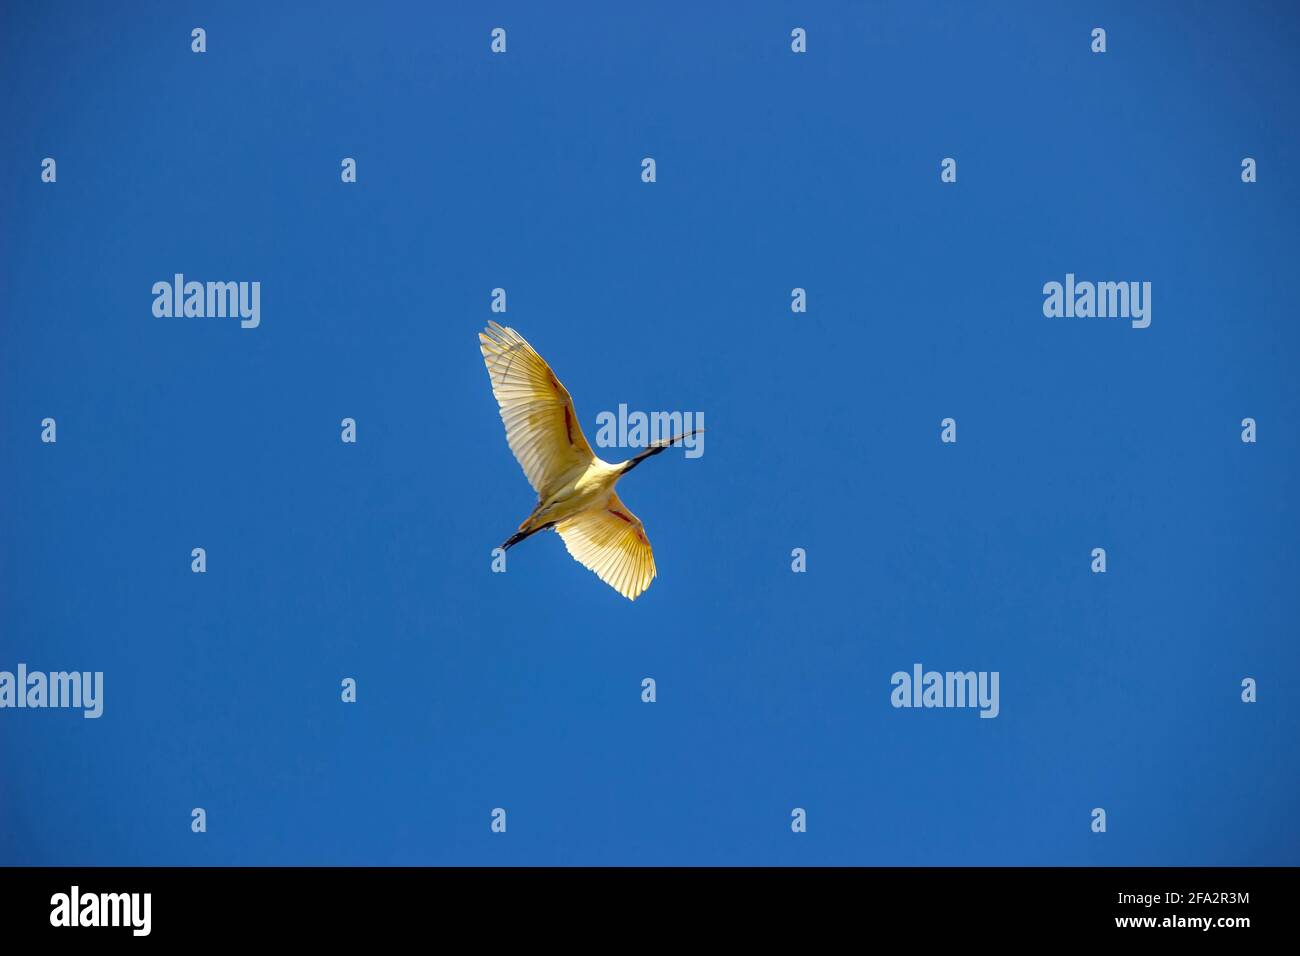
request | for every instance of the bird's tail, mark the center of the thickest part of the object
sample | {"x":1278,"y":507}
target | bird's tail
{"x":526,"y":529}
{"x":514,"y":539}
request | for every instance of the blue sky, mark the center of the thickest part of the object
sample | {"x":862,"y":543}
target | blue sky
{"x":522,"y":690}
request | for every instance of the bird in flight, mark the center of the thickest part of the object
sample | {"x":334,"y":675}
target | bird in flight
{"x":575,"y":489}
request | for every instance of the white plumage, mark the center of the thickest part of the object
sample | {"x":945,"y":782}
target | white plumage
{"x":575,"y":488}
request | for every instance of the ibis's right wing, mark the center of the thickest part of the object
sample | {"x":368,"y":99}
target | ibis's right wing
{"x":541,"y":423}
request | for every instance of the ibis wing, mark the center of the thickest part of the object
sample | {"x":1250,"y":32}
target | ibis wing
{"x":541,"y":423}
{"x":611,"y":541}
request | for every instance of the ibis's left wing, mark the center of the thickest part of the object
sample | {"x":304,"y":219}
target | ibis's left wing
{"x":612,"y":543}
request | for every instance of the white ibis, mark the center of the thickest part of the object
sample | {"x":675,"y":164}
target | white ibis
{"x":575,"y":488}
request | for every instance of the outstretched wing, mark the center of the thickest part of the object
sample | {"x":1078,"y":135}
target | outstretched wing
{"x":541,"y":423}
{"x":612,"y":542}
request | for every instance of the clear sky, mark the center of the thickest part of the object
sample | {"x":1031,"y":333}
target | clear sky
{"x":522,"y":690}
